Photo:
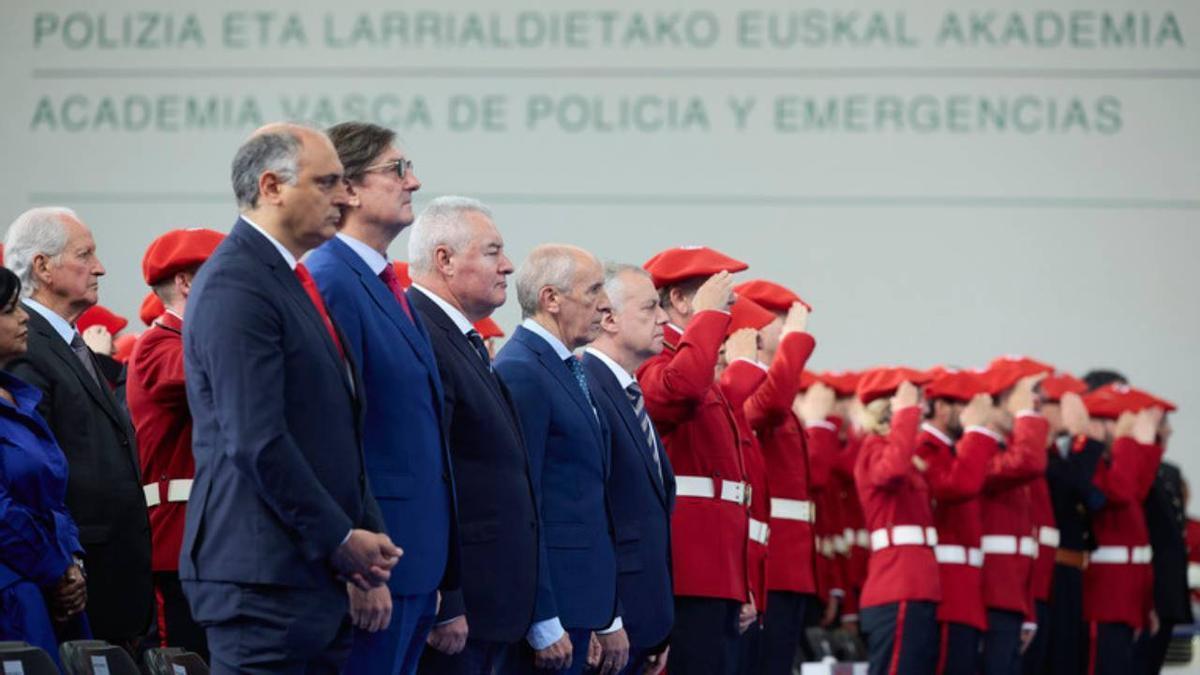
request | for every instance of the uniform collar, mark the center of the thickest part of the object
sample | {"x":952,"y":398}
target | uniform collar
{"x":937,"y":433}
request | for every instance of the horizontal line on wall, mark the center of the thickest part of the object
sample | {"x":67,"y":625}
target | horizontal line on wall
{"x":392,"y":72}
{"x":676,"y":200}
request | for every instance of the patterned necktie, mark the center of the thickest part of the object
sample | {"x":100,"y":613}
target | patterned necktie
{"x":310,"y":288}
{"x":480,"y":347}
{"x":576,"y":369}
{"x":388,"y":275}
{"x":634,"y":392}
{"x":85,"y":357}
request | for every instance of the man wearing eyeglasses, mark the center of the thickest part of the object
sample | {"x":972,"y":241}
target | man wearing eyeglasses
{"x":406,"y":453}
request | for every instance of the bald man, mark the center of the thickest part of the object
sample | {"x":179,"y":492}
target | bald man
{"x":280,"y":517}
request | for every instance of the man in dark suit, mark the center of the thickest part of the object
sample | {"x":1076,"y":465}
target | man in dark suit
{"x":280,"y":512}
{"x":1166,"y":518}
{"x":407,"y":461}
{"x":561,"y":291}
{"x":55,"y":256}
{"x":641,"y":485}
{"x":459,"y":270}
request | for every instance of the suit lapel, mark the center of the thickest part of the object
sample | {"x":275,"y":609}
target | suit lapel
{"x":63,"y":351}
{"x":286,"y":277}
{"x":620,"y":400}
{"x":559,"y":371}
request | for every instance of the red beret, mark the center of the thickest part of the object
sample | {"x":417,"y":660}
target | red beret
{"x":1055,"y":386}
{"x":152,"y":308}
{"x":123,"y":347}
{"x":748,"y":314}
{"x":488,"y":329}
{"x":178,"y":251}
{"x":401,"y":268}
{"x":1005,"y":371}
{"x":1111,"y":400}
{"x":881,"y":382}
{"x":687,"y":262}
{"x":959,"y":385}
{"x":97,"y":315}
{"x":807,"y":379}
{"x":770,"y":295}
{"x":844,"y":383}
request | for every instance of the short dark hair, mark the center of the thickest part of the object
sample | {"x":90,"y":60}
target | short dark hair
{"x":275,"y":151}
{"x":10,"y":288}
{"x":358,"y":144}
{"x":1099,"y":377}
{"x":687,"y":287}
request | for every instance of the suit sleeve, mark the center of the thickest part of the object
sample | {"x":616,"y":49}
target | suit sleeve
{"x":533,"y":410}
{"x":240,"y":341}
{"x":26,"y":544}
{"x":672,"y":384}
{"x":771,"y":402}
{"x":1025,"y":459}
{"x":893,"y":463}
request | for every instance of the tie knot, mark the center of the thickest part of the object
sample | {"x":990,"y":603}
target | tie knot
{"x":77,"y":342}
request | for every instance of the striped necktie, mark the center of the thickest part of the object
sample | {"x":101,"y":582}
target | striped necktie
{"x":634,"y":392}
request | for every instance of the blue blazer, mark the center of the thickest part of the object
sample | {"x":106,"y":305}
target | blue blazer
{"x":408,"y":464}
{"x":641,"y":512}
{"x":568,"y":456}
{"x":280,"y":479}
{"x":497,"y":513}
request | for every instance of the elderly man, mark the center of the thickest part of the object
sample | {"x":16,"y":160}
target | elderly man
{"x":459,"y":272}
{"x":280,"y":515}
{"x":561,"y":291}
{"x":642,"y":484}
{"x":54,"y":254}
{"x":158,"y":406}
{"x":407,"y":461}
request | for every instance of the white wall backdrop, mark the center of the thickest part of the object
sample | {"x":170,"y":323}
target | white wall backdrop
{"x":945,"y":182}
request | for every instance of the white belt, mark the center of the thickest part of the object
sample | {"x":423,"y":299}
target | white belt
{"x":702,"y":486}
{"x":759,"y":531}
{"x":1007,"y":544}
{"x":1048,"y":536}
{"x":1194,"y":576}
{"x":793,"y":509}
{"x":950,"y":554}
{"x":862,"y":538}
{"x":903,"y":535}
{"x":841,"y":544}
{"x":1121,"y":555}
{"x":178,"y":490}
{"x":825,"y":546}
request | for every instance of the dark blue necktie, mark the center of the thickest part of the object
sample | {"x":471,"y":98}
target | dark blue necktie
{"x":634,"y":392}
{"x":576,"y":369}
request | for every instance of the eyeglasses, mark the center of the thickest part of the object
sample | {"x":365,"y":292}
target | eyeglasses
{"x":402,"y":167}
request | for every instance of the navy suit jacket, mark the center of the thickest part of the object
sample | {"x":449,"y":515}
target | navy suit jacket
{"x":497,"y":509}
{"x":641,"y":512}
{"x":279,"y":466}
{"x":568,"y":454}
{"x":408,"y":465}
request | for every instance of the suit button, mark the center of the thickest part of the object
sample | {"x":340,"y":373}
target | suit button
{"x":446,"y":476}
{"x":125,"y":442}
{"x":362,"y":477}
{"x":533,"y":524}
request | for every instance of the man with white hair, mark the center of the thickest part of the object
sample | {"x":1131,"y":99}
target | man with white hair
{"x":561,"y":292}
{"x":54,"y":254}
{"x":459,"y":270}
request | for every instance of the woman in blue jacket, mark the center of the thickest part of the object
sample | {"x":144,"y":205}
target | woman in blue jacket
{"x":42,"y":589}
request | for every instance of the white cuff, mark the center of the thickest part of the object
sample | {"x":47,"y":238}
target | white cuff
{"x":760,"y":364}
{"x":986,"y":431}
{"x":821,"y":424}
{"x":545,"y":633}
{"x":837,"y":593}
{"x":450,"y":620}
{"x":615,"y":626}
{"x":1029,"y":413}
{"x":1029,"y":626}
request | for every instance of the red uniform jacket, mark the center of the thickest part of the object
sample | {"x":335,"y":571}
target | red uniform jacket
{"x":709,"y":535}
{"x":956,"y":478}
{"x":159,"y":409}
{"x":1115,"y":591}
{"x":847,"y":516}
{"x":784,"y":448}
{"x":1046,"y":531}
{"x":1008,"y":543}
{"x":738,"y":384}
{"x":894,"y":494}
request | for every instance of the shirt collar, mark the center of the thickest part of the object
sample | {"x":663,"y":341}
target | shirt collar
{"x":537,"y":329}
{"x":460,"y":320}
{"x":937,"y":433}
{"x":370,"y":256}
{"x":287,"y":255}
{"x":623,"y":377}
{"x":61,"y":325}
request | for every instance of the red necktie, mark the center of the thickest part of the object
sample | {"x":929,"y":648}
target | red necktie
{"x":310,"y":287}
{"x":388,"y":275}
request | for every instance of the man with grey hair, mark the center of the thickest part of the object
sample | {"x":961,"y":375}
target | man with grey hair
{"x":459,"y":270}
{"x":280,"y":516}
{"x":561,"y":292}
{"x":641,"y":484}
{"x":54,"y":254}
